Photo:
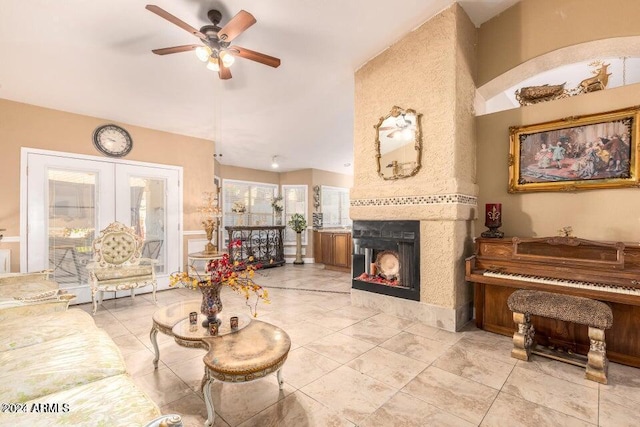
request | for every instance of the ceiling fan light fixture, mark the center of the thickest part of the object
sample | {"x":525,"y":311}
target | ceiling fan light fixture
{"x":227,"y":58}
{"x":215,"y":41}
{"x":203,"y":53}
{"x":402,"y":122}
{"x":274,"y":162}
{"x":213,"y":64}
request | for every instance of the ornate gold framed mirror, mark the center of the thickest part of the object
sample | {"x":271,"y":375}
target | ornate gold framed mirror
{"x":399,"y":144}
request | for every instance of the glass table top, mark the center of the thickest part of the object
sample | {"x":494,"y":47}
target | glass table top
{"x":184,"y":330}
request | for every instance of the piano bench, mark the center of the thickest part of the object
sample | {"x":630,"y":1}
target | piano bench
{"x":595,"y":314}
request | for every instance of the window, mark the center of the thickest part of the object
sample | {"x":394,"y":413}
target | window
{"x":254,"y":196}
{"x":335,"y":207}
{"x":295,"y":201}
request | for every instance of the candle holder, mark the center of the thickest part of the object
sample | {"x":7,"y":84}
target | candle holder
{"x":193,"y":318}
{"x":213,"y":329}
{"x":493,"y":221}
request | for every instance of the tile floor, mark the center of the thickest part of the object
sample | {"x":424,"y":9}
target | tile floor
{"x":352,"y":366}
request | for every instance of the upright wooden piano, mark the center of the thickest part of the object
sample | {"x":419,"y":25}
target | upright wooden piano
{"x":605,"y":271}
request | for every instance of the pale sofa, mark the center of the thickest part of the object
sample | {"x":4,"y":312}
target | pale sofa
{"x":57,"y":368}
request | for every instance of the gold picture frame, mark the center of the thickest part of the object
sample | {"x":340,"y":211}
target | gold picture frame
{"x":576,"y":153}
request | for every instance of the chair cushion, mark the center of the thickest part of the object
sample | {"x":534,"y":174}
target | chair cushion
{"x":118,"y":247}
{"x":20,"y":332}
{"x":58,"y":365}
{"x":113,"y":401}
{"x":129,"y":272}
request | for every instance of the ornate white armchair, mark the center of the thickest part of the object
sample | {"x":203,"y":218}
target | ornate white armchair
{"x":117,"y":263}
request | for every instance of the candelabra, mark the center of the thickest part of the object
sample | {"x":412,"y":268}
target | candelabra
{"x":210,"y":213}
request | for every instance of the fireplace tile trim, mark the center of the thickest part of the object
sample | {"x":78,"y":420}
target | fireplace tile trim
{"x":436,"y":199}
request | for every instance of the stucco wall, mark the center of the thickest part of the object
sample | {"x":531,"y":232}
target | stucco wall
{"x":431,"y":70}
{"x":24,"y":125}
{"x":419,"y":72}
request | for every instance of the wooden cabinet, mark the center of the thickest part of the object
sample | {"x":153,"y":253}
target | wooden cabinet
{"x":333,"y":249}
{"x":317,"y":247}
{"x":341,"y":248}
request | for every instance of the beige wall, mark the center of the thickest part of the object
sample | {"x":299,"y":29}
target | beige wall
{"x":320,"y":177}
{"x":529,"y":29}
{"x":23,"y":125}
{"x":246,"y":174}
{"x":612,"y":214}
{"x":534,"y":27}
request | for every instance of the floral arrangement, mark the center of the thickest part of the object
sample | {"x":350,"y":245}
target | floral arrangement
{"x":277,"y":204}
{"x":236,"y":275}
{"x":238,"y":207}
{"x":298,"y":223}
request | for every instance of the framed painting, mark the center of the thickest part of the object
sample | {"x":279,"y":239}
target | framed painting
{"x":576,"y":153}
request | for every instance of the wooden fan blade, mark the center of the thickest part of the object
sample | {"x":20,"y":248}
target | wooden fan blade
{"x":224,"y":73}
{"x":236,"y":26}
{"x":175,"y":49}
{"x":254,"y":56}
{"x":176,"y":21}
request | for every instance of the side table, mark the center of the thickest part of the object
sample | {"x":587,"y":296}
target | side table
{"x":194,"y":258}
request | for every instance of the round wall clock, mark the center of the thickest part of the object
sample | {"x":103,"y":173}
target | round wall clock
{"x":112,"y":140}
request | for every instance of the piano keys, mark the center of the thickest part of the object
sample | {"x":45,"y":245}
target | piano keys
{"x":602,"y":287}
{"x":605,"y":271}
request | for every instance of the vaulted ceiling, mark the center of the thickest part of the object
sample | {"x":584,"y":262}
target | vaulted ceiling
{"x":94,"y":57}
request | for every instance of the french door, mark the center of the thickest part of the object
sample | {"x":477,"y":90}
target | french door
{"x":69,"y":199}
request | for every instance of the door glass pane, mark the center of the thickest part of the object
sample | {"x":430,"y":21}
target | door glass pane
{"x":72,"y":221}
{"x":148,"y":217}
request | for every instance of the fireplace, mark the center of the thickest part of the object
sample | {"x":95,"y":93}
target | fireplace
{"x":386,"y":258}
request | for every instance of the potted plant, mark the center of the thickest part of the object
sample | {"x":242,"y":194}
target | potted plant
{"x":298,"y":224}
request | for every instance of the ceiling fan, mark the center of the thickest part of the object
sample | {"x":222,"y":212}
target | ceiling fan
{"x":403,"y":127}
{"x":216,"y":47}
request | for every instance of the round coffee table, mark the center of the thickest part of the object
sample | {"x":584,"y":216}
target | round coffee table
{"x":248,"y":353}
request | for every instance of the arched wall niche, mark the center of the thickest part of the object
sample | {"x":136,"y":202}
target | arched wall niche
{"x":491,"y":96}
